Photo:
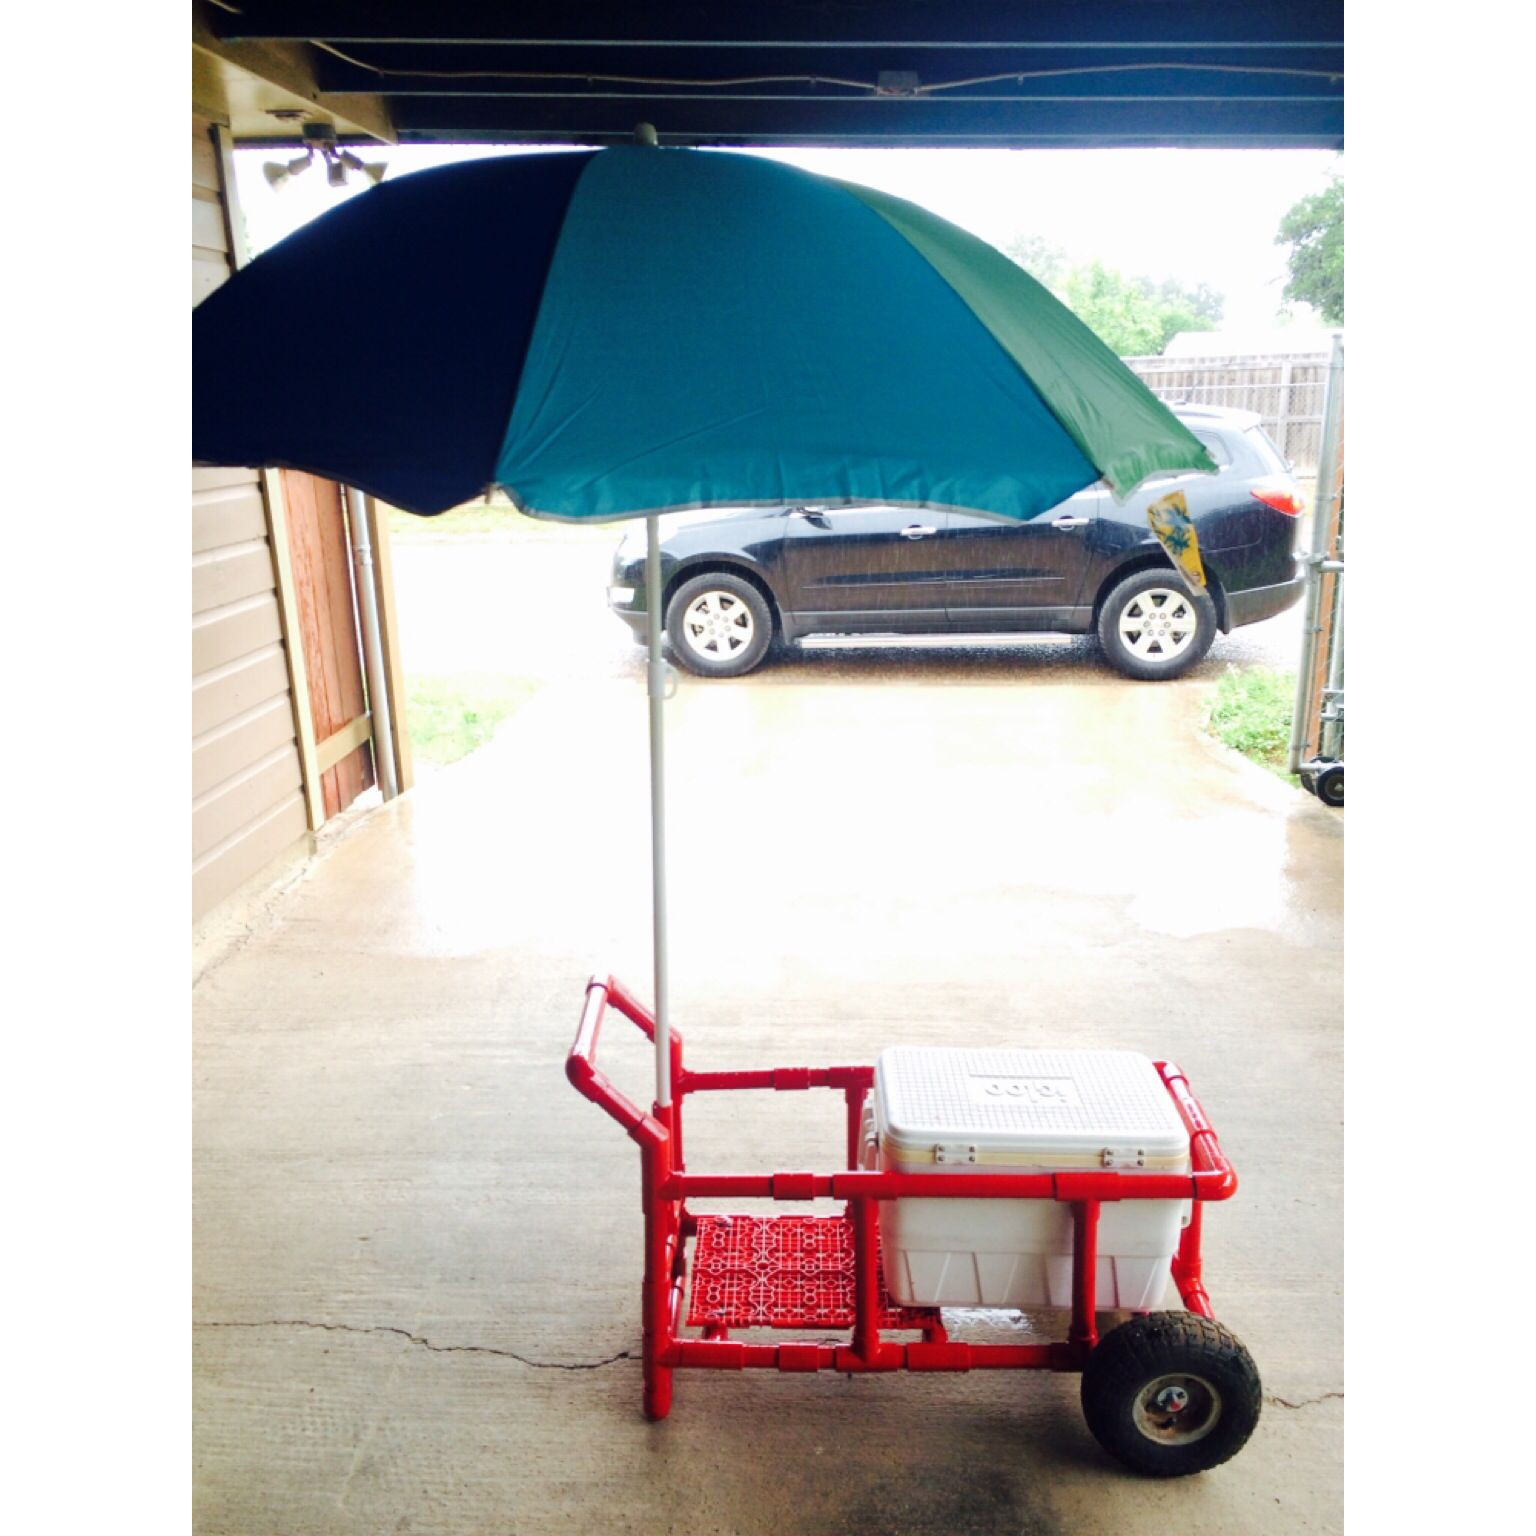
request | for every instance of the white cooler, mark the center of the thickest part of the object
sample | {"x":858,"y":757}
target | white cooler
{"x":1005,"y":1111}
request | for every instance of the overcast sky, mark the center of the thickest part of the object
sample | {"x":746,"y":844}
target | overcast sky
{"x":1198,"y":215}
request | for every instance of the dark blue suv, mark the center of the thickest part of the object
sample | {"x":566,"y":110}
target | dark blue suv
{"x":736,"y":583}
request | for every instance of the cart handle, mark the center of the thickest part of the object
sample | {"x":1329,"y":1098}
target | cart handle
{"x":581,"y":1065}
{"x":1215,"y":1178}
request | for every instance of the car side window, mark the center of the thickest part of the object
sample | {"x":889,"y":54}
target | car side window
{"x":1213,"y":445}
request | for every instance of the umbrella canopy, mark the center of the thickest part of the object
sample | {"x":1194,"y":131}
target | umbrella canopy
{"x":613,"y":333}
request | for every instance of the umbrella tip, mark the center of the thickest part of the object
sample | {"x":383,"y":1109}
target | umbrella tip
{"x":645,"y":133}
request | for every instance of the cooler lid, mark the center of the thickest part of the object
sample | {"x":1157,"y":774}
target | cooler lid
{"x":1057,"y":1103}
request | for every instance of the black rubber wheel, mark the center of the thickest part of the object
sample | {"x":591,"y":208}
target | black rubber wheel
{"x":719,"y":625}
{"x":1329,"y":785}
{"x":1170,"y":1393}
{"x":1153,"y":627}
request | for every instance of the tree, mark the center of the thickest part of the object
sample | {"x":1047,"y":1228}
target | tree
{"x":1133,"y":316}
{"x":1201,"y":303}
{"x":1314,"y":230}
{"x":1044,"y":262}
{"x":1116,"y":308}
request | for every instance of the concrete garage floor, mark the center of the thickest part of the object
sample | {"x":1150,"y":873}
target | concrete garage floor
{"x":417,"y":1249}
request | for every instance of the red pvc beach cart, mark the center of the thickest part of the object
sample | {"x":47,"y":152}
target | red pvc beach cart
{"x":1167,"y":1393}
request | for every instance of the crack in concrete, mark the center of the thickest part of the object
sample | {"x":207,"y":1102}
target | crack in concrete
{"x":1306,"y":1402}
{"x":439,"y":1349}
{"x":570,"y":1365}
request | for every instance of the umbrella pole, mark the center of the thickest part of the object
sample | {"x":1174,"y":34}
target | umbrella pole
{"x":655,"y":685}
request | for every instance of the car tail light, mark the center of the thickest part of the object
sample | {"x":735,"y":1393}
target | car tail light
{"x":1282,"y":495}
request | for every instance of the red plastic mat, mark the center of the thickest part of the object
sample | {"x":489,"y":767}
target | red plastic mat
{"x":779,"y":1272}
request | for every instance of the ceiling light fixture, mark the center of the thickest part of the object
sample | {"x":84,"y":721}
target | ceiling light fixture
{"x":321,"y":138}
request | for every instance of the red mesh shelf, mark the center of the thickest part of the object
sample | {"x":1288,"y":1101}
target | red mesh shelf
{"x":780,"y":1272}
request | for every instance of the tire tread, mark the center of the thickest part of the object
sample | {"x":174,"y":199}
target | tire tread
{"x":1153,"y":1345}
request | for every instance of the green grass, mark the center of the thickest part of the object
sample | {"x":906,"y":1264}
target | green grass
{"x":1252,"y":715}
{"x":449,"y":716}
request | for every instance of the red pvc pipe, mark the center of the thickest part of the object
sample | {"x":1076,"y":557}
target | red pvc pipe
{"x":855,"y":1122}
{"x":1085,"y":1274}
{"x":866,"y":1280}
{"x":732,"y":1355}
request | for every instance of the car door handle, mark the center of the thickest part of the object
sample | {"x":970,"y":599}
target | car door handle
{"x":917,"y":531}
{"x":1066,"y":521}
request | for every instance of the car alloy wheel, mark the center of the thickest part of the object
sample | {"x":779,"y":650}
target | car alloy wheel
{"x":1153,"y":628}
{"x":1158,"y":624}
{"x":718,"y":626}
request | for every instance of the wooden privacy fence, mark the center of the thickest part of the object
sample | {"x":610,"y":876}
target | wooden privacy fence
{"x":1286,"y":389}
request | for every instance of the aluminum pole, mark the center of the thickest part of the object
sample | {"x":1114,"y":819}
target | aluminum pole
{"x":1322,"y":520}
{"x":373,"y":655}
{"x":656,"y":691}
{"x":1333,"y":711}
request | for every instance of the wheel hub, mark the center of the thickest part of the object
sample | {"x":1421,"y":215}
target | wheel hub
{"x":1158,"y":624}
{"x":718,"y":624}
{"x":1177,"y":1409}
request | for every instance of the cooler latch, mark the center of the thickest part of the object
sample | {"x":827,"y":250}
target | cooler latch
{"x":953,"y":1152}
{"x":1123,"y":1157}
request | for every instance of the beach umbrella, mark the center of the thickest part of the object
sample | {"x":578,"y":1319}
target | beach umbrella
{"x":622,"y":332}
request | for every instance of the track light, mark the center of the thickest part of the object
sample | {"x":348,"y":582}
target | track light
{"x":279,"y":171}
{"x":374,"y":170}
{"x":338,"y":162}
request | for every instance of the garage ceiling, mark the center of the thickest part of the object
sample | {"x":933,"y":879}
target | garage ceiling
{"x":1100,"y":73}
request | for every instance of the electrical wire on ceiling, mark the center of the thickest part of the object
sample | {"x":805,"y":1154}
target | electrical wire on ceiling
{"x":874,"y":87}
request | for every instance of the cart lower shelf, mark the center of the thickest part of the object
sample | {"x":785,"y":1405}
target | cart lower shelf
{"x":782,"y":1272}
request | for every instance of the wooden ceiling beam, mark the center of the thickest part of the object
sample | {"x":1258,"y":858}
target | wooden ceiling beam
{"x":245,"y":83}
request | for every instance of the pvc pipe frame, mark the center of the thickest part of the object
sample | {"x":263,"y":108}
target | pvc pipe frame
{"x":373,"y":654}
{"x":665,"y":1188}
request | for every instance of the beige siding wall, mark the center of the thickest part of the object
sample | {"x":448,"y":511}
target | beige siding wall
{"x":247,"y":791}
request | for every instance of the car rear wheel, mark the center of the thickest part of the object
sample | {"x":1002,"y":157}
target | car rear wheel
{"x":1152,"y":626}
{"x":719,"y":625}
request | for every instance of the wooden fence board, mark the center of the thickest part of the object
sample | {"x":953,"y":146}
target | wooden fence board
{"x":322,"y":569}
{"x":1286,"y":390}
